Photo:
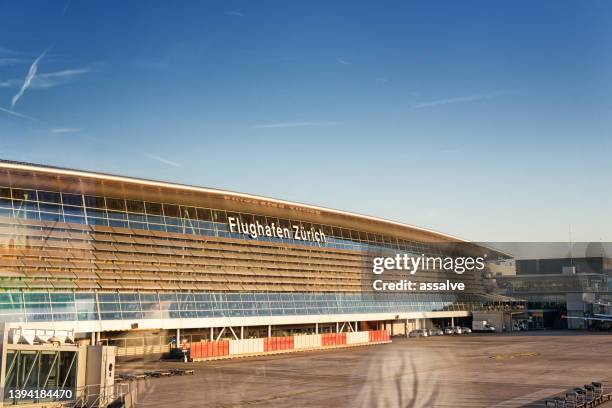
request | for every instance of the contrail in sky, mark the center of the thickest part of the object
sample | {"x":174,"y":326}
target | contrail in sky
{"x":19,"y":115}
{"x":29,"y":78}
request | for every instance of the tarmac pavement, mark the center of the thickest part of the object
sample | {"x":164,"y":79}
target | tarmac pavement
{"x":473,"y":370}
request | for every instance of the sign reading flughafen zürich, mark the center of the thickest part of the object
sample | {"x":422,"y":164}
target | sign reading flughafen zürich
{"x":257,"y":229}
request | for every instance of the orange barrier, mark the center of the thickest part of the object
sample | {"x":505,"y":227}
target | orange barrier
{"x":267,"y":345}
{"x":333,"y":339}
{"x":378,"y":336}
{"x":210,"y":349}
{"x":196,"y":349}
{"x":278,"y":343}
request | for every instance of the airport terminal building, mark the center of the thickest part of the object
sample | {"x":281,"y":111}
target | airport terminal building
{"x":576,"y":287}
{"x":137,"y":262}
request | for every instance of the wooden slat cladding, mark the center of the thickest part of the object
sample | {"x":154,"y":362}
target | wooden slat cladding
{"x":36,"y":254}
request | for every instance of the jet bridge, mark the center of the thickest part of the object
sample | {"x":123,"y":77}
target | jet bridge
{"x":46,"y":368}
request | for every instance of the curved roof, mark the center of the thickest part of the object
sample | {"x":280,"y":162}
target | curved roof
{"x":26,"y":174}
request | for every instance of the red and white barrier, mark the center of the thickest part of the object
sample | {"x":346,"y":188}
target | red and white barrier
{"x":228,"y":348}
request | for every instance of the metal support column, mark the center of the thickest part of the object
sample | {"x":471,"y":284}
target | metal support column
{"x":452,"y":321}
{"x":178,"y":338}
{"x":337,"y":327}
{"x":212,"y":333}
{"x":269,"y":330}
{"x":316,"y":328}
{"x":241,"y":332}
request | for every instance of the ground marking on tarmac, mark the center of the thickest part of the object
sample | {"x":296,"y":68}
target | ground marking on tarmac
{"x":514,"y":355}
{"x":526,"y":399}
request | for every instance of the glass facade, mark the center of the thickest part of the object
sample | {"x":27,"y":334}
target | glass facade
{"x":113,"y":268}
{"x":549,"y":291}
{"x":95,"y":210}
{"x":71,"y":306}
{"x":546,"y":284}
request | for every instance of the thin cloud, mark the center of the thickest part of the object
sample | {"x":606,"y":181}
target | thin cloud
{"x":45,"y":124}
{"x":67,"y":130}
{"x":162,"y":160}
{"x":42,"y":123}
{"x":382,"y":80}
{"x":9,"y":57}
{"x":342,"y":61}
{"x":66,"y":6}
{"x":294,"y":125}
{"x":51,"y":79}
{"x":48,"y":79}
{"x":10,"y":83}
{"x":6,"y":61}
{"x":235,"y":13}
{"x":20,"y":115}
{"x":28,"y":79}
{"x":65,"y":73}
{"x":459,"y":99}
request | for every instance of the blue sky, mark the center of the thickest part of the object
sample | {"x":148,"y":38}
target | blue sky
{"x":487,"y":120}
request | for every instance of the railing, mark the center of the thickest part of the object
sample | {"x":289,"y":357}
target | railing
{"x":124,"y":395}
{"x":589,"y":396}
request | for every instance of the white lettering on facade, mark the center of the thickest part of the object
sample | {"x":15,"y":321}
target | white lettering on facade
{"x":257,"y":229}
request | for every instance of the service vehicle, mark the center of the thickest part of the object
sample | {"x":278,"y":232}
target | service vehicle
{"x":482,"y":326}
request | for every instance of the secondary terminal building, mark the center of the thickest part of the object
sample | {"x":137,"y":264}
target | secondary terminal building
{"x":564,"y":292}
{"x":140,"y":264}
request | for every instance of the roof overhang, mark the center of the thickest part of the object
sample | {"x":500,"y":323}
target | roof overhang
{"x":26,"y":175}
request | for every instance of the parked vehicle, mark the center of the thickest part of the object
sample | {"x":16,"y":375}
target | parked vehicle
{"x":448,"y":330}
{"x":436,"y":332}
{"x":482,"y":326}
{"x":418,"y":333}
{"x":466,"y":330}
{"x":457,"y":330}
